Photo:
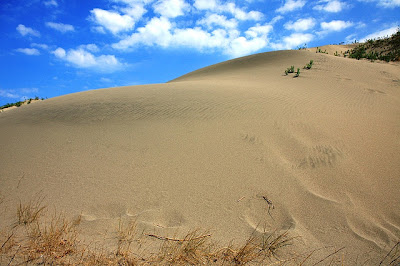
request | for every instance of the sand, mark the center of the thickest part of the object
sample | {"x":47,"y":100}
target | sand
{"x":208,"y":149}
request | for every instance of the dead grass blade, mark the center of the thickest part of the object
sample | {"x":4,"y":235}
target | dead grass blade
{"x":393,"y":255}
{"x":30,"y":212}
{"x":52,"y":242}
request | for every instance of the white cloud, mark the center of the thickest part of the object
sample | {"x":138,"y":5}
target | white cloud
{"x":59,"y":52}
{"x":332,"y":6}
{"x":157,"y":31}
{"x":90,"y":47}
{"x":380,"y":34}
{"x":276,"y":19}
{"x":111,"y":20}
{"x":50,"y":3}
{"x":160,"y":32}
{"x":293,"y":40}
{"x":29,"y":90}
{"x":9,"y":94}
{"x":237,"y":12}
{"x":24,"y":31}
{"x":16,"y":93}
{"x":242,"y":46}
{"x":107,"y":80}
{"x":81,"y":58}
{"x":291,"y":5}
{"x":385,"y":3}
{"x":28,"y":51}
{"x":336,"y":25}
{"x":218,"y":20}
{"x":171,"y":8}
{"x":259,"y":31}
{"x":206,"y":4}
{"x":40,"y":45}
{"x":61,"y":27}
{"x":198,"y":38}
{"x":136,"y":12}
{"x":300,"y":24}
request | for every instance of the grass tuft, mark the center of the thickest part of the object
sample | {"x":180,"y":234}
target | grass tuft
{"x":29,"y":212}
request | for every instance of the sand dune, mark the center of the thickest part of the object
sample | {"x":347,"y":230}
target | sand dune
{"x":208,"y":149}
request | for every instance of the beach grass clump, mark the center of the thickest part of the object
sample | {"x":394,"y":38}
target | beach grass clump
{"x":30,"y":212}
{"x":297,"y":73}
{"x":52,"y":242}
{"x":318,"y":50}
{"x":289,"y":70}
{"x":309,"y":65}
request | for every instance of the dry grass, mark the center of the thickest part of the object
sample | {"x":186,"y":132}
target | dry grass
{"x":37,"y":240}
{"x":30,"y":212}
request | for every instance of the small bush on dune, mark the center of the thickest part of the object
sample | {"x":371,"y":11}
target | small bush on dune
{"x":309,"y":65}
{"x":297,"y":73}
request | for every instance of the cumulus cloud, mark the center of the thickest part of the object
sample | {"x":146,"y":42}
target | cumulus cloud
{"x":25,"y":31}
{"x":231,"y":8}
{"x":240,"y":14}
{"x":28,"y":51}
{"x":291,"y":5}
{"x":206,"y":4}
{"x":385,"y":3}
{"x":133,"y":8}
{"x":380,"y":34}
{"x":18,"y":93}
{"x":162,"y":33}
{"x":50,"y":3}
{"x":82,"y":58}
{"x":332,"y":6}
{"x":9,"y":94}
{"x":40,"y":45}
{"x":294,"y":40}
{"x":300,"y":24}
{"x":171,"y":8}
{"x":61,"y":27}
{"x":336,"y":25}
{"x":215,"y":20}
{"x":157,"y":31}
{"x":111,"y":20}
{"x":90,"y":47}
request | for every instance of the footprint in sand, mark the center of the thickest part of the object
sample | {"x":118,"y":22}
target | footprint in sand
{"x":320,"y":156}
{"x":265,"y":216}
{"x":161,"y":218}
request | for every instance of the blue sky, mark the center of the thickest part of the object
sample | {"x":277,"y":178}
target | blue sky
{"x":55,"y":47}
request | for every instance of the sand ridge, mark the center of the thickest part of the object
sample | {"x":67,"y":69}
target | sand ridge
{"x":232,"y":148}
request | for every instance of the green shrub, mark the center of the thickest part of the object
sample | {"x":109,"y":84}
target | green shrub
{"x":297,"y":73}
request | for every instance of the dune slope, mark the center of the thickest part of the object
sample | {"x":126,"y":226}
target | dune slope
{"x":208,"y":149}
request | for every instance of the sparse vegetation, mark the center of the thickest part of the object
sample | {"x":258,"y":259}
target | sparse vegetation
{"x":297,"y":73}
{"x":30,"y":212}
{"x":19,"y":103}
{"x":385,"y":49}
{"x":320,"y":51}
{"x":289,"y":70}
{"x":37,"y":239}
{"x":309,"y":65}
{"x":302,"y":47}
